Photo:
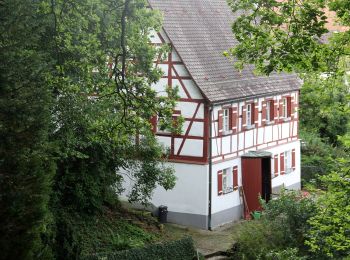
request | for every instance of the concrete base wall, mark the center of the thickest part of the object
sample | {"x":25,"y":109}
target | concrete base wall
{"x":186,"y":219}
{"x":226,"y":216}
{"x":295,"y":186}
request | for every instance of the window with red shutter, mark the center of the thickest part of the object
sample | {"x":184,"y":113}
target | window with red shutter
{"x":289,"y":106}
{"x":276,"y":165}
{"x":220,"y":183}
{"x":256,"y":114}
{"x":235,"y":177}
{"x":282,"y":170}
{"x":234,"y":120}
{"x":293,"y":159}
{"x":244,"y":118}
{"x":220,"y":124}
{"x":275,"y":111}
{"x":264,"y":112}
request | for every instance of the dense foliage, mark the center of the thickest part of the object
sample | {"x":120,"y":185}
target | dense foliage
{"x":75,"y":108}
{"x":329,"y":235}
{"x":26,"y":166}
{"x":182,"y":249}
{"x":280,"y":231}
{"x":286,"y":35}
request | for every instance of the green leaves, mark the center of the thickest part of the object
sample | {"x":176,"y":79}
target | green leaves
{"x":285,"y":35}
{"x":329,"y":234}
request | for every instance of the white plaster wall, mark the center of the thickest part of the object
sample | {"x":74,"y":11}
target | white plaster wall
{"x":226,"y":145}
{"x":190,"y":194}
{"x":181,"y":70}
{"x":220,"y":203}
{"x":192,"y":89}
{"x":188,"y":109}
{"x":165,"y":141}
{"x":230,"y":200}
{"x":197,"y":129}
{"x":190,"y":148}
{"x":289,"y":178}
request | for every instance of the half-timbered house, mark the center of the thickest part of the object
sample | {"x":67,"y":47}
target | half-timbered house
{"x":240,"y":136}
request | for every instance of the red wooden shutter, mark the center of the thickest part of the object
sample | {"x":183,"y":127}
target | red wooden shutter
{"x":220,"y":124}
{"x":293,"y":159}
{"x":256,"y":114}
{"x":154,"y":123}
{"x":263,"y":115}
{"x":234,"y":120}
{"x":230,"y":117}
{"x":235,"y":177}
{"x":272,"y":109}
{"x":289,"y":106}
{"x":244,"y":117}
{"x":276,"y":164}
{"x":275,"y":111}
{"x":292,"y":107}
{"x":282,"y":163}
{"x":220,"y":183}
{"x":280,"y":110}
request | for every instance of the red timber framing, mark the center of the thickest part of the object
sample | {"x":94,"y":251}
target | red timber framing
{"x":173,"y":74}
{"x":258,"y":126}
{"x":237,"y":120}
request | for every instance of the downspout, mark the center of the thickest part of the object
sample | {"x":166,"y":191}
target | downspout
{"x":210,"y":167}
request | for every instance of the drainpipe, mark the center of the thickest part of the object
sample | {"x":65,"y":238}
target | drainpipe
{"x":210,"y":167}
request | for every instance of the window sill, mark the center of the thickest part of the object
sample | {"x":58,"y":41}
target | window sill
{"x":250,"y":127}
{"x":286,"y":119}
{"x":267,"y":123}
{"x":224,"y":133}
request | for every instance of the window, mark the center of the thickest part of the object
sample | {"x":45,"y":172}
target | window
{"x":287,"y":162}
{"x":226,"y":120}
{"x":249,"y":116}
{"x":227,"y":181}
{"x":286,"y":107}
{"x":269,"y":111}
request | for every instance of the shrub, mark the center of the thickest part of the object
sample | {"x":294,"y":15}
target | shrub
{"x":282,"y":226}
{"x":175,"y":250}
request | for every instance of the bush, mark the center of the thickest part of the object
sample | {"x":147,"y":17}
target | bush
{"x":175,"y":250}
{"x":289,"y":253}
{"x":282,"y":226}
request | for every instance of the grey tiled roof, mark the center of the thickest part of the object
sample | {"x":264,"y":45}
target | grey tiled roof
{"x":200,"y":31}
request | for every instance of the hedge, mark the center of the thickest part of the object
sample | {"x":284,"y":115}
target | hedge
{"x":182,"y":249}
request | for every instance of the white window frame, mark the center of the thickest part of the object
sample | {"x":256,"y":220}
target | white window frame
{"x":249,"y":117}
{"x":227,"y":181}
{"x":226,"y":120}
{"x":288,"y":162}
{"x":285,"y":107}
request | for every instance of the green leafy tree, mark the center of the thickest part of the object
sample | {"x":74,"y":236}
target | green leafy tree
{"x":329,"y":235}
{"x":286,"y":35}
{"x":26,"y":167}
{"x":76,"y":92}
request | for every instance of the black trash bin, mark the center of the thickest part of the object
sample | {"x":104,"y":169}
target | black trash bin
{"x":162,"y":214}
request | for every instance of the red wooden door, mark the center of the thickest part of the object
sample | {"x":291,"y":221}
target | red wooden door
{"x":252,"y":182}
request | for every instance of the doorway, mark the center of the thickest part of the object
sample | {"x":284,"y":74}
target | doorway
{"x":256,"y":179}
